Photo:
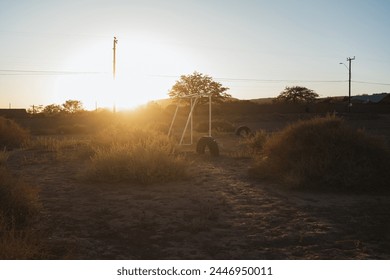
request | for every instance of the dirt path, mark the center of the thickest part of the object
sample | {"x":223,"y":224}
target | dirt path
{"x":218,"y":213}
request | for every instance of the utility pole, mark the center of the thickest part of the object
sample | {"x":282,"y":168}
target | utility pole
{"x":114,"y":68}
{"x":349,"y":59}
{"x":114,"y":60}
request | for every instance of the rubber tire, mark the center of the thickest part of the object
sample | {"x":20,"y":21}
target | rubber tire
{"x":242,"y":129}
{"x":209,"y":142}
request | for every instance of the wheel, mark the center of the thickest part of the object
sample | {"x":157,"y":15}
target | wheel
{"x":208,"y":142}
{"x":243,"y":131}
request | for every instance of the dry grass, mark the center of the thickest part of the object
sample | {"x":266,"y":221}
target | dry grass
{"x":257,"y":141}
{"x":18,"y":205}
{"x":250,"y":145}
{"x":4,"y":155}
{"x":324,"y":153}
{"x":219,"y":214}
{"x":216,"y":125}
{"x":11,"y":134}
{"x":62,"y":148}
{"x":134,"y":155}
{"x":18,"y":201}
{"x":19,"y":244}
{"x":117,"y":153}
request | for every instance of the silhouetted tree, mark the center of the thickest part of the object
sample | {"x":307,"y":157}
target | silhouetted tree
{"x":52,"y":109}
{"x":35,"y":109}
{"x":72,"y":106}
{"x":197,"y":83}
{"x":297,"y":94}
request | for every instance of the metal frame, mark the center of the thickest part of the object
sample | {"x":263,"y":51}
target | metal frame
{"x":193,"y":101}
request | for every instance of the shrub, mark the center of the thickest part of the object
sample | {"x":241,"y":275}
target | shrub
{"x":16,"y":244}
{"x":257,"y":142}
{"x":324,"y":153}
{"x":11,"y":134}
{"x":18,"y":205}
{"x":18,"y":201}
{"x":134,"y":155}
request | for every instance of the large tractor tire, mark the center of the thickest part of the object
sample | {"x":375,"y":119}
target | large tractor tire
{"x":208,"y":142}
{"x":243,"y":131}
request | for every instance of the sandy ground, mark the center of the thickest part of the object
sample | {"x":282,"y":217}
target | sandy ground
{"x":217,"y":213}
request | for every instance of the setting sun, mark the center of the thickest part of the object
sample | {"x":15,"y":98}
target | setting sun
{"x":145,"y":71}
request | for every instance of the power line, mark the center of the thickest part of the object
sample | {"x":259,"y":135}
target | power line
{"x":262,"y":80}
{"x":280,"y":81}
{"x":45,"y":73}
{"x":371,"y":83}
{"x":12,"y":72}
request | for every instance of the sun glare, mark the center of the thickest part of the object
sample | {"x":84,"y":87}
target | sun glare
{"x":145,"y":71}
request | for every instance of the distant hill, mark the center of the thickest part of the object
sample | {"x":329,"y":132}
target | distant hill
{"x":365,"y":98}
{"x":372,"y":98}
{"x":267,"y":100}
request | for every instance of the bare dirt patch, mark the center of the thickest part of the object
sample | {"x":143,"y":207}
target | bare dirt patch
{"x":218,"y":213}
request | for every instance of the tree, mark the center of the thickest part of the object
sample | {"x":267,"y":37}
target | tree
{"x":72,"y":106}
{"x":35,"y":109}
{"x":52,"y":109}
{"x":197,"y":83}
{"x":297,"y":94}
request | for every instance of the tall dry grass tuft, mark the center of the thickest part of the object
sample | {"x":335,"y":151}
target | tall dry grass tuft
{"x":19,"y":244}
{"x":257,"y":141}
{"x":134,"y":155}
{"x":324,"y":153}
{"x":63,"y":148}
{"x":12,"y":135}
{"x":4,"y":155}
{"x":18,"y":201}
{"x":18,"y":205}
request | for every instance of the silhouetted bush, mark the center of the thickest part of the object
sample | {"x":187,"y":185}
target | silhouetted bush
{"x":12,"y":135}
{"x":323,"y":153}
{"x":18,"y":205}
{"x":18,"y":201}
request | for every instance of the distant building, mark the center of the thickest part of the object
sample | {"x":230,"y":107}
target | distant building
{"x":372,"y":98}
{"x":13,"y":113}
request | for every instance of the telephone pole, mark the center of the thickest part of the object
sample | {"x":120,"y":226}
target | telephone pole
{"x":114,"y":60}
{"x":349,"y":59}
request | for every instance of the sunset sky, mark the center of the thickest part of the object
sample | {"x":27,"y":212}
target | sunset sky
{"x":52,"y":51}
